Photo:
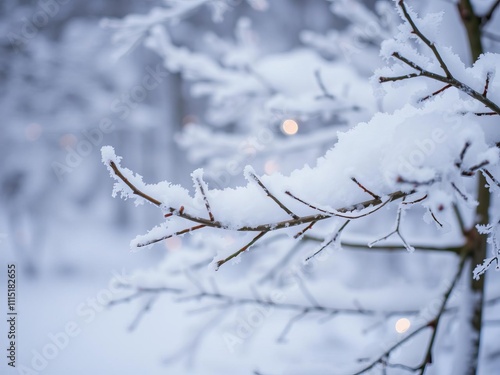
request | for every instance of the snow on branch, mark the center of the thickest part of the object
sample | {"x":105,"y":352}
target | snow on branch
{"x":476,"y":82}
{"x":413,"y":150}
{"x":329,"y":184}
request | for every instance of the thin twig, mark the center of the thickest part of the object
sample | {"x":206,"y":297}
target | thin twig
{"x":276,"y":200}
{"x":365,"y":189}
{"x":301,"y":233}
{"x":131,"y":186}
{"x":487,"y":83}
{"x":435,"y":219}
{"x":340,"y":213}
{"x":433,"y":324}
{"x":424,"y":39}
{"x":415,"y":201}
{"x":145,"y":309}
{"x":462,"y":195}
{"x":488,"y":173}
{"x":460,"y":161}
{"x":205,"y":199}
{"x":486,"y":114}
{"x":319,"y":80}
{"x":333,"y":240}
{"x":435,"y":93}
{"x":244,"y":248}
{"x":290,"y":324}
{"x":395,"y":231}
{"x":179,"y":233}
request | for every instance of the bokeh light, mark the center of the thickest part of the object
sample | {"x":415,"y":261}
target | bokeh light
{"x":402,"y":325}
{"x":290,"y":127}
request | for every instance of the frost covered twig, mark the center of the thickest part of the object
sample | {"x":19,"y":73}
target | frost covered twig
{"x":447,"y":78}
{"x":397,"y":231}
{"x":424,"y":39}
{"x":435,"y":93}
{"x":329,"y":242}
{"x":262,"y":228}
{"x":178,"y":233}
{"x":492,"y":178}
{"x":132,"y":187}
{"x":205,"y":199}
{"x":244,"y":248}
{"x":276,"y":200}
{"x":433,"y":324}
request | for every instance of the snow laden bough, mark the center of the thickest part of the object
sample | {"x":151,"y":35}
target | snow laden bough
{"x":401,"y":157}
{"x":421,"y":154}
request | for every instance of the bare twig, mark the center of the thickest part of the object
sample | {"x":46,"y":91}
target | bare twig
{"x":487,"y":83}
{"x":229,"y":300}
{"x":179,"y":233}
{"x":486,"y":114}
{"x":460,"y":161}
{"x":424,"y":39}
{"x":321,"y":84}
{"x":276,"y":200}
{"x":145,"y":308}
{"x":415,"y":201}
{"x":395,"y":231}
{"x":301,"y":233}
{"x":365,"y":189}
{"x":131,"y":186}
{"x":460,"y":193}
{"x":492,"y":178}
{"x":435,"y":219}
{"x":205,"y":199}
{"x":333,"y":240}
{"x":288,"y":327}
{"x":435,"y":93}
{"x":340,"y":213}
{"x":244,"y":248}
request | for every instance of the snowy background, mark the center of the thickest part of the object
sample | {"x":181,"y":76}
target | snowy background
{"x":220,"y":85}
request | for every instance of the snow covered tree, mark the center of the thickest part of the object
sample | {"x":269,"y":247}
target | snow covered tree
{"x":385,"y":241}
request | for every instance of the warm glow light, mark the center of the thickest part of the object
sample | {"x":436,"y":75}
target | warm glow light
{"x":290,"y":127}
{"x":402,"y":325}
{"x":271,"y":166}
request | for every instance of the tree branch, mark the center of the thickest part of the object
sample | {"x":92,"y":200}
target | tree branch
{"x":433,"y":324}
{"x":424,"y":39}
{"x":276,"y":200}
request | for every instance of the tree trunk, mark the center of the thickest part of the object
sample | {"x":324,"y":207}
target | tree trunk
{"x":478,"y":250}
